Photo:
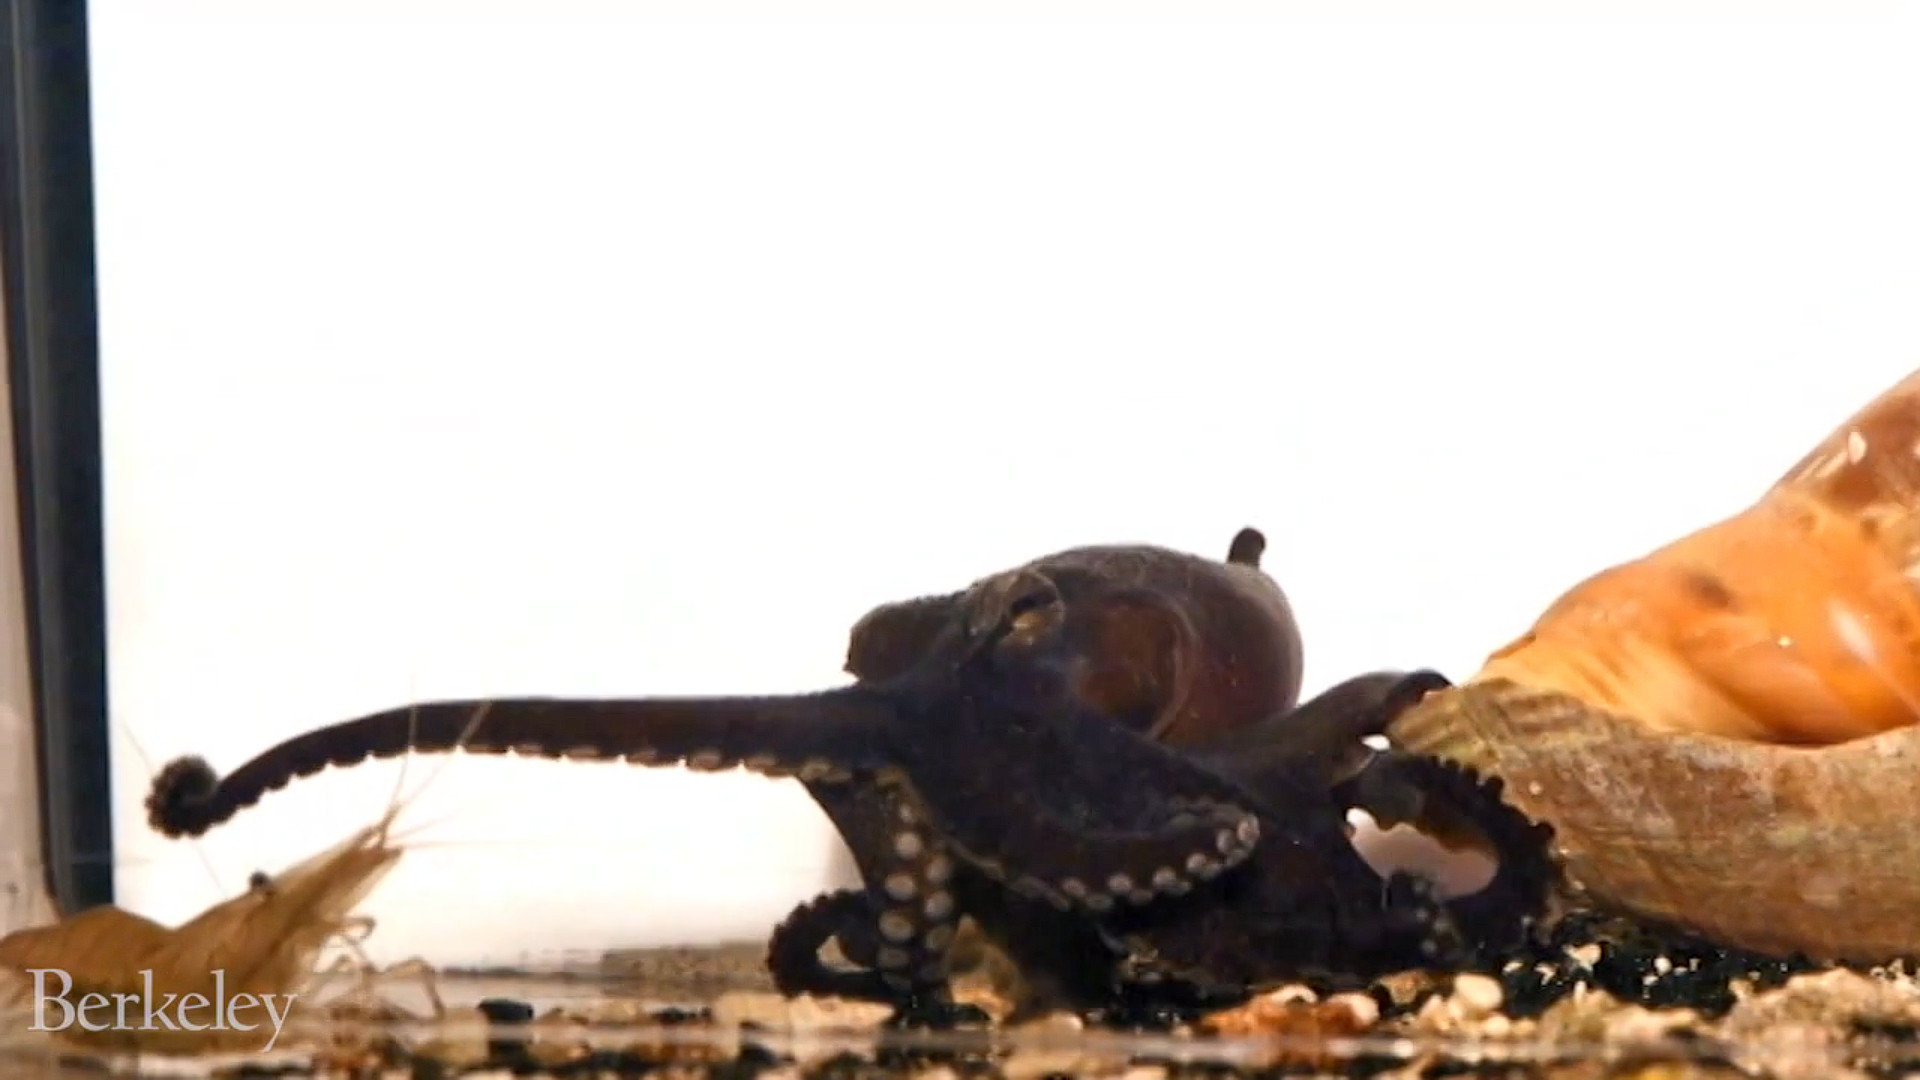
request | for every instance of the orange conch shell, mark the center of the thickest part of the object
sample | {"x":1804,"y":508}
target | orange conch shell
{"x":1724,"y":732}
{"x":1797,"y":620}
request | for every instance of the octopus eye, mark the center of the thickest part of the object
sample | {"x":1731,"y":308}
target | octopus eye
{"x":1021,"y":605}
{"x":1030,"y":612}
{"x":1030,"y":601}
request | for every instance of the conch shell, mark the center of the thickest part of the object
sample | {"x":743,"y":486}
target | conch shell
{"x":1725,"y":733}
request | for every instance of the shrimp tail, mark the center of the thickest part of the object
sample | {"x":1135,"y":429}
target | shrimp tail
{"x":826,"y":735}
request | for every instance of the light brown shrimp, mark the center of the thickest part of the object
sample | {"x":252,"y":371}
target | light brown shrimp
{"x":237,"y":971}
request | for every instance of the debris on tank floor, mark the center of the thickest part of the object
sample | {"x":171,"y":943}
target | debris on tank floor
{"x":1594,"y":1000}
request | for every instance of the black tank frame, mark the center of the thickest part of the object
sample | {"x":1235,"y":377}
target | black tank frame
{"x":47,"y":257}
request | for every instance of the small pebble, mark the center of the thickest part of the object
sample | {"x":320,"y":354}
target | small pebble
{"x":1364,"y":1011}
{"x":1478,"y":995}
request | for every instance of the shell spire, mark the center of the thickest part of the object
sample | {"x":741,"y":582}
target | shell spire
{"x":1794,"y":621}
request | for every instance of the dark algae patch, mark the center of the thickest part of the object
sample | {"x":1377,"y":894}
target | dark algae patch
{"x":1638,"y":964}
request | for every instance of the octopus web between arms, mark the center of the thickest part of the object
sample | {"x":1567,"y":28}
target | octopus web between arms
{"x":1056,"y":752}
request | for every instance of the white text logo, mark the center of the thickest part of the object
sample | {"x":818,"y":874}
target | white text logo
{"x":146,"y":1012}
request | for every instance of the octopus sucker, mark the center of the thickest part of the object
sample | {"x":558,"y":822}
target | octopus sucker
{"x":1715,"y":725}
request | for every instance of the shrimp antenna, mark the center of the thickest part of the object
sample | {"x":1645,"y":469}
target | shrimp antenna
{"x":413,"y":727}
{"x":399,"y":800}
{"x":466,"y":733}
{"x":395,"y":800}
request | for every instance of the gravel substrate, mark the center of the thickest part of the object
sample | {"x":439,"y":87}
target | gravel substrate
{"x":1596,"y":1000}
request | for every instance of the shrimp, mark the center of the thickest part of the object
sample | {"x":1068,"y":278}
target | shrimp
{"x":107,"y":980}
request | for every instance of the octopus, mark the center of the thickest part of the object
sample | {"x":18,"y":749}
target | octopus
{"x":1099,"y":757}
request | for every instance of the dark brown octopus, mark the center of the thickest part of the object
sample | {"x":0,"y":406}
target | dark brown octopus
{"x":1099,"y":757}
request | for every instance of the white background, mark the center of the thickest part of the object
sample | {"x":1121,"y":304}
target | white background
{"x":555,"y":347}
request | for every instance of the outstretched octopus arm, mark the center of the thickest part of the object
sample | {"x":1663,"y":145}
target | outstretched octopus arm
{"x":817,"y":736}
{"x":1065,"y":805}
